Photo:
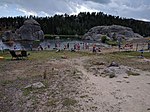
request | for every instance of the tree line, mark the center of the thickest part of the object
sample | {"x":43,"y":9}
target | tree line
{"x":75,"y":24}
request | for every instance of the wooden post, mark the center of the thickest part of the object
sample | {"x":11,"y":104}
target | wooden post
{"x":45,"y":74}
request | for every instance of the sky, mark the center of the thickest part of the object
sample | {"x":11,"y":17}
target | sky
{"x":136,"y":9}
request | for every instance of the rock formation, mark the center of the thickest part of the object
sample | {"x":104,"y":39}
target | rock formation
{"x":114,"y":31}
{"x":30,"y":30}
{"x":8,"y":36}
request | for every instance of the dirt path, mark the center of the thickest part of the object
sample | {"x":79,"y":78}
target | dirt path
{"x":114,"y":95}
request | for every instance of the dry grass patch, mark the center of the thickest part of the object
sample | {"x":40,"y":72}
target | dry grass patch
{"x":130,"y":73}
{"x":69,"y":102}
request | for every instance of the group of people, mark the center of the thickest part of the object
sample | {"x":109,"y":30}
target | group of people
{"x":72,"y":47}
{"x":66,"y":46}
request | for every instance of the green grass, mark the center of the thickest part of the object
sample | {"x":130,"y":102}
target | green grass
{"x":27,"y":91}
{"x":130,"y":59}
{"x":43,"y":55}
{"x":133,"y":53}
{"x":5,"y":82}
{"x":125,"y":55}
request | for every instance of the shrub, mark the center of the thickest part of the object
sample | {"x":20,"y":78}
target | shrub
{"x":104,"y":39}
{"x":113,"y":43}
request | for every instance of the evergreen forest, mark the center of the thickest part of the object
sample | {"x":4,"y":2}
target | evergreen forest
{"x":75,"y":24}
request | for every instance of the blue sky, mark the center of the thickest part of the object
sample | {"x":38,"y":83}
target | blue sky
{"x":137,"y":9}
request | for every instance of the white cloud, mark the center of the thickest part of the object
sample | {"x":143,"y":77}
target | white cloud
{"x":124,"y":8}
{"x":43,"y":14}
{"x":27,"y":12}
{"x":147,"y":20}
{"x":4,"y":6}
{"x":82,"y":8}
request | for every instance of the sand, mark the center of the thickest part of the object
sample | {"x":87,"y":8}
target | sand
{"x":72,"y":81}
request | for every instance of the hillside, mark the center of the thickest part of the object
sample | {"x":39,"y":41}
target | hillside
{"x":76,"y":24}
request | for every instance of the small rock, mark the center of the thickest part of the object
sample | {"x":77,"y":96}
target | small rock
{"x":119,"y":81}
{"x":36,"y":85}
{"x":112,"y":75}
{"x":118,"y":90}
{"x":148,"y":109}
{"x":28,"y":86}
{"x":113,"y":64}
{"x":125,"y":77}
{"x":29,"y":103}
{"x":78,"y":73}
{"x":148,"y":83}
{"x":99,"y":63}
{"x":64,"y":57}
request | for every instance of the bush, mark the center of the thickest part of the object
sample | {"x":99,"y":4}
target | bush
{"x":110,"y":42}
{"x":104,"y":39}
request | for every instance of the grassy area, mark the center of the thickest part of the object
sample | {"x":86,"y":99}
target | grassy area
{"x":6,"y":55}
{"x":132,"y":54}
{"x":128,"y":59}
{"x":124,"y":58}
{"x":43,"y":55}
{"x":53,"y":54}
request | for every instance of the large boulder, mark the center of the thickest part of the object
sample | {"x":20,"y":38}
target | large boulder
{"x":30,"y":30}
{"x":112,"y":31}
{"x":8,"y":36}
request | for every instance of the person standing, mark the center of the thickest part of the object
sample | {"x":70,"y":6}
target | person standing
{"x":48,"y":46}
{"x":2,"y":48}
{"x":149,"y":46}
{"x":55,"y":45}
{"x":78,"y":46}
{"x":119,"y":43}
{"x":15,"y":47}
{"x":94,"y":48}
{"x":142,"y":52}
{"x":74,"y":46}
{"x":31,"y":47}
{"x":67,"y":45}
